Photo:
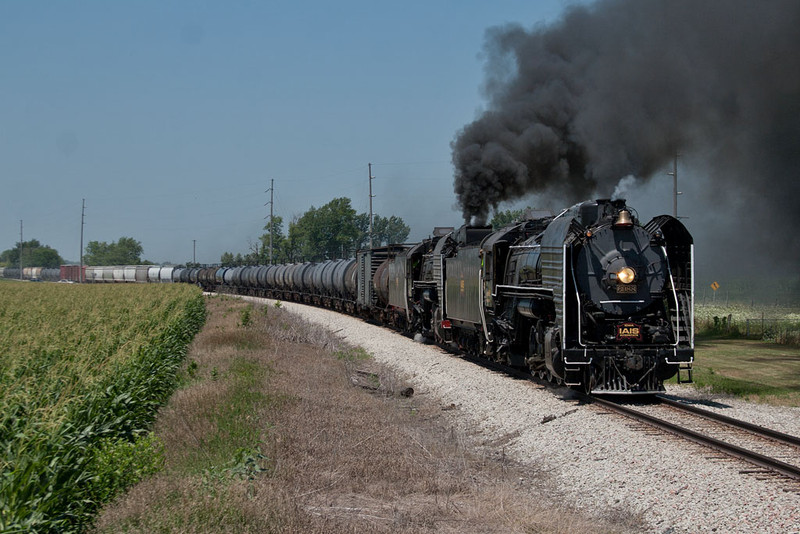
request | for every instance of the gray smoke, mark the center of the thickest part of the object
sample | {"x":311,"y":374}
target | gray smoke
{"x":618,"y":87}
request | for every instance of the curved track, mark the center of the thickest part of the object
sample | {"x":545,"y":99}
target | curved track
{"x":773,"y":444}
{"x":756,"y":437}
{"x":744,"y":425}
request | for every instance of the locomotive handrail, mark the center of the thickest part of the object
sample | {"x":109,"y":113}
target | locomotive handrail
{"x":578,"y":300}
{"x":675,"y":296}
{"x":521,"y":290}
{"x":691,"y":297}
{"x":564,"y":300}
{"x":585,"y":355}
{"x":480,"y":306}
{"x":677,"y":362}
{"x":565,"y":210}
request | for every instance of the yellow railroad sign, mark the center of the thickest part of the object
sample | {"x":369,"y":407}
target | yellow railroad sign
{"x":714,"y":286}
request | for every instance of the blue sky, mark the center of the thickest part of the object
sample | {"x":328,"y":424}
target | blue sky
{"x":170,"y":118}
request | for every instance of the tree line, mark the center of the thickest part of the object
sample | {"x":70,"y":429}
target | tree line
{"x":332,"y":231}
{"x":34,"y":254}
{"x":125,"y":251}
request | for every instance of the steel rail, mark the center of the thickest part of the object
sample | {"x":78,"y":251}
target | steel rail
{"x":760,"y":460}
{"x":744,"y":425}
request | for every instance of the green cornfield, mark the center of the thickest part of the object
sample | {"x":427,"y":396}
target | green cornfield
{"x":83,"y":370}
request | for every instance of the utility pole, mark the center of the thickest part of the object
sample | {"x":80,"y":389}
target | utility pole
{"x":20,"y":249}
{"x":270,"y":191}
{"x":83,"y":214}
{"x":194,"y":250}
{"x":675,"y":191}
{"x":371,"y":196}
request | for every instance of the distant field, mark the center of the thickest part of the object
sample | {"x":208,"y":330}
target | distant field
{"x":82,"y":370}
{"x":752,"y":351}
{"x":758,"y":371}
{"x":771,"y":323}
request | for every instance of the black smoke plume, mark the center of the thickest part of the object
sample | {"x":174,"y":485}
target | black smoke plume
{"x":618,"y":87}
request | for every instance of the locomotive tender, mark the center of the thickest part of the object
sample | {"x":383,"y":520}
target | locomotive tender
{"x":590,"y":298}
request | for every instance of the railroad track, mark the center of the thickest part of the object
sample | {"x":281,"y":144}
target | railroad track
{"x":766,"y":448}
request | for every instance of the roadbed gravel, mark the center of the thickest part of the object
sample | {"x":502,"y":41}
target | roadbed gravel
{"x":600,"y":462}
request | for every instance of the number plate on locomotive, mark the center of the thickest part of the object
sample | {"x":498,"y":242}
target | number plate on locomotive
{"x":627,"y":288}
{"x":629,"y":332}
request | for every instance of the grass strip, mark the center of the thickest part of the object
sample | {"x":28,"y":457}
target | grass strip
{"x":753,"y":370}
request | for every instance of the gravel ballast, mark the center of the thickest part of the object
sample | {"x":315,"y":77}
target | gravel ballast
{"x":601,"y":462}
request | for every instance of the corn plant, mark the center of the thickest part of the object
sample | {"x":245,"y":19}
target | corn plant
{"x":83,"y":370}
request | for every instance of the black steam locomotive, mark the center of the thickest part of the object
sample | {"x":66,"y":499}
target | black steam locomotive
{"x":589,"y":298}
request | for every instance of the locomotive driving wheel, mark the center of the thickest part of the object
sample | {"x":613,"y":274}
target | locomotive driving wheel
{"x":436,"y":326}
{"x":535,"y":359}
{"x":555,"y":354}
{"x":588,"y":380}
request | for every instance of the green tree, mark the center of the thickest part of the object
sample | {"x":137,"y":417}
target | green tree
{"x":259,"y":251}
{"x":34,"y":254}
{"x":385,"y":231}
{"x":290,"y":251}
{"x":45,"y":257}
{"x":389,"y":231}
{"x":328,"y":232}
{"x":278,"y":242}
{"x":505,"y":218}
{"x":362,"y":226}
{"x":125,"y":251}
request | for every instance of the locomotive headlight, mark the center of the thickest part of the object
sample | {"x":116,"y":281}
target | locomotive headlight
{"x":626,"y":275}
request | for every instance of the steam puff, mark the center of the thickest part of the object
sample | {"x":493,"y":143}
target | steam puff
{"x":622,"y":187}
{"x":617,"y":88}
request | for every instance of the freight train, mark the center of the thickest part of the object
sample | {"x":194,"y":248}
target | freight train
{"x":590,"y":298}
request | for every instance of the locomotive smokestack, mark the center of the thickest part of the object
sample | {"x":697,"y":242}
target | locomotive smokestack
{"x":619,"y":87}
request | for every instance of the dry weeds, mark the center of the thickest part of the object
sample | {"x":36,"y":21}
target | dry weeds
{"x":338,"y":446}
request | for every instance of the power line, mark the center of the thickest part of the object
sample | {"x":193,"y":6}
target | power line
{"x":271,"y":226}
{"x":675,"y":191}
{"x":20,"y":249}
{"x":371,"y":196}
{"x":83,"y":213}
